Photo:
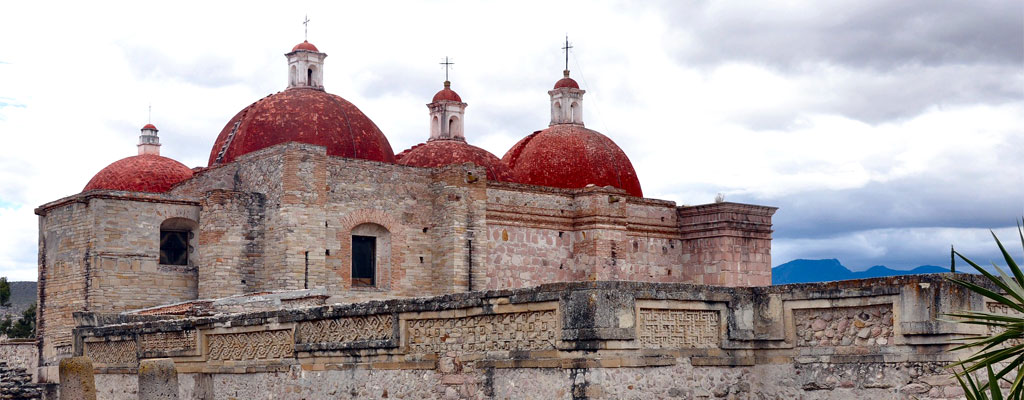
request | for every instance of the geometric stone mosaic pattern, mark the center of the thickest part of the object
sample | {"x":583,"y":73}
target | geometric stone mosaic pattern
{"x":120,"y":352}
{"x":675,"y":329}
{"x":262,"y":345}
{"x":531,"y":330}
{"x":846,"y":326}
{"x":167,"y":342}
{"x":371,"y":327}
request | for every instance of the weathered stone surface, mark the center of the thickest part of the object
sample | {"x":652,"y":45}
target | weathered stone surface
{"x":505,"y":344}
{"x":158,"y":380}
{"x":76,"y":379}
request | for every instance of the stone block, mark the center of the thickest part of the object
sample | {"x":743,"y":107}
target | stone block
{"x":598,"y":315}
{"x":76,"y":379}
{"x":158,"y":380}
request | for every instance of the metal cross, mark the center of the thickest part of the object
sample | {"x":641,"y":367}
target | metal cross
{"x":150,"y":113}
{"x":566,"y":49}
{"x":446,"y":66}
{"x":305,"y":24}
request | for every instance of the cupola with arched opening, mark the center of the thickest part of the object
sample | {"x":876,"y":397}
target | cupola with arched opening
{"x":566,"y":101}
{"x":305,"y":66}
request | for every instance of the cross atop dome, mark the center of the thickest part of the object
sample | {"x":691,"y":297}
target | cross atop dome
{"x":566,"y":97}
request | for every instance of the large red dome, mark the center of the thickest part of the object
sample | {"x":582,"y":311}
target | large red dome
{"x":303,"y":115}
{"x":141,"y":173}
{"x":438,"y":153}
{"x":571,"y":156}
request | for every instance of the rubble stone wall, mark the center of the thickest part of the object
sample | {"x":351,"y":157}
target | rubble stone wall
{"x":20,"y":354}
{"x":872,"y":339}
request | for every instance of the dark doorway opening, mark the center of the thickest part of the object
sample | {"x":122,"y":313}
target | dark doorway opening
{"x":364,"y":260}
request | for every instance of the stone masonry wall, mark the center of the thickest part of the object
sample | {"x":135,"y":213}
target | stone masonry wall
{"x":597,"y":340}
{"x":16,"y":383}
{"x":540,"y":235}
{"x":126,"y":272}
{"x":727,"y":244}
{"x":20,"y":354}
{"x":99,"y":251}
{"x":64,"y":264}
{"x":232,"y":240}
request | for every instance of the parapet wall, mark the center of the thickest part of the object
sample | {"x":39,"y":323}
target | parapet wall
{"x":873,"y":339}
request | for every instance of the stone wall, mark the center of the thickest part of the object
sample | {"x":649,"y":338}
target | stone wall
{"x":873,"y":339}
{"x":22,"y":354}
{"x":16,"y":383}
{"x":100,"y":251}
{"x":542,"y":235}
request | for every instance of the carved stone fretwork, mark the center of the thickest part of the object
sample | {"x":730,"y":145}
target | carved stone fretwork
{"x":111,"y":353}
{"x":532,"y":330}
{"x":262,"y":345}
{"x":351,"y":329}
{"x":174,"y":342}
{"x":674,"y":329}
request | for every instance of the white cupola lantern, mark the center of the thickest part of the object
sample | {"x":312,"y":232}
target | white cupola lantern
{"x":446,"y":113}
{"x":566,"y":101}
{"x":306,"y":66}
{"x":149,"y":142}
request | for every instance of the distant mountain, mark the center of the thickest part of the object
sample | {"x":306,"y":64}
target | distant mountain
{"x":23,"y":294}
{"x":802,"y":271}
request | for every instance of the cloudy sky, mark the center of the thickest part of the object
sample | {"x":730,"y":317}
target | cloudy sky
{"x":884,"y":130}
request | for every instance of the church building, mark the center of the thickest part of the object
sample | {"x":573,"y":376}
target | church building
{"x":303,"y":192}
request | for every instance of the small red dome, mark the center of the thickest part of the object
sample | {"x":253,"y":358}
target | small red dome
{"x":141,"y":173}
{"x":305,"y":45}
{"x":149,"y":126}
{"x":302,"y":115}
{"x":446,"y":94}
{"x":438,"y":153}
{"x":571,"y":156}
{"x":566,"y":81}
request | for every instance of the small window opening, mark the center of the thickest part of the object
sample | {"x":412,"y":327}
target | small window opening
{"x":364,"y":263}
{"x":309,"y":77}
{"x":173,"y":247}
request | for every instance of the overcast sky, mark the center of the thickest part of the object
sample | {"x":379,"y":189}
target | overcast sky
{"x":884,"y":130}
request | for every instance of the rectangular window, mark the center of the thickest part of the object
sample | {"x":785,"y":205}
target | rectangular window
{"x":364,"y":260}
{"x":173,"y":247}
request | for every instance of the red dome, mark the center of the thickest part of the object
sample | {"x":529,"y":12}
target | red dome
{"x":571,"y":156}
{"x":141,"y":173}
{"x":446,"y":94}
{"x":567,"y":82}
{"x":438,"y":153}
{"x":149,"y":126}
{"x":306,"y":116}
{"x":305,"y":45}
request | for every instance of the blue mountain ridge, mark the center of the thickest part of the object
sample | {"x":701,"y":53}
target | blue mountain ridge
{"x":804,"y":271}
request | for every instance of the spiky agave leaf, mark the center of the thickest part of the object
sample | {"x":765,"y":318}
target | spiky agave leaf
{"x":1004,"y":344}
